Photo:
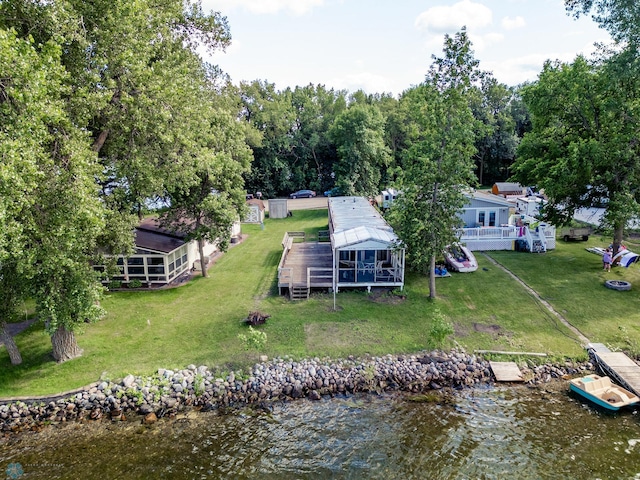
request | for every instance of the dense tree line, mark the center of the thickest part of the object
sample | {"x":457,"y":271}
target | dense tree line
{"x":319,"y":138}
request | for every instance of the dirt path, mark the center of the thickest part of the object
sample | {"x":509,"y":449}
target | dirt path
{"x":583,"y":340}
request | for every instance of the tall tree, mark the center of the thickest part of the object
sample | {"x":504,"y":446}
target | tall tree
{"x":24,"y":104}
{"x":584,"y":147}
{"x":270,"y":113}
{"x":121,"y":79}
{"x":206,"y":206}
{"x":55,"y":216}
{"x":358,"y":134}
{"x":496,"y":139}
{"x":438,"y":162}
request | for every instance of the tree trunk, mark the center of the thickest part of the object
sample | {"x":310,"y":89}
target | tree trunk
{"x":203,"y":264}
{"x":65,"y":346}
{"x":432,"y":277}
{"x":10,"y":345}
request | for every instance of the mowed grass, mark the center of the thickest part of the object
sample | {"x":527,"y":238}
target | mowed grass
{"x":199,"y":322}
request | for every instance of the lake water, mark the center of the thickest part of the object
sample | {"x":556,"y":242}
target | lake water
{"x":483,"y":433}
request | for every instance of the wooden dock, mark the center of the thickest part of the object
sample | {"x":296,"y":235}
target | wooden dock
{"x":622,"y":369}
{"x":506,"y":372}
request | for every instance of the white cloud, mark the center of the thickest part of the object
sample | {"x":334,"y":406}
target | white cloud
{"x":482,"y":42}
{"x":297,"y":7}
{"x":509,"y":23}
{"x":444,"y":19}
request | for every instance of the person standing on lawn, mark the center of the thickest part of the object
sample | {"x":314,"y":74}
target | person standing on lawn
{"x":606,"y":260}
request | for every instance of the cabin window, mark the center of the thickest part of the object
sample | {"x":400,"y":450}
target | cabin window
{"x":487,"y":218}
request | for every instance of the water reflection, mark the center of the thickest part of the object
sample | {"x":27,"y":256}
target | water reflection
{"x":485,"y":433}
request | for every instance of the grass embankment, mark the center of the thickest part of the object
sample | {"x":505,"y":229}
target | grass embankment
{"x":199,"y":322}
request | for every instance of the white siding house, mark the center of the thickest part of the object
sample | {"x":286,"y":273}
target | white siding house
{"x":161,"y":256}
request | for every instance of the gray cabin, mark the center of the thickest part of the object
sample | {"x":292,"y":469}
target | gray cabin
{"x":485,"y":210}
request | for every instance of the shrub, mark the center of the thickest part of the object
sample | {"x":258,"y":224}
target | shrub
{"x":440,"y":329}
{"x":115,"y":284}
{"x":255,"y":339}
{"x":135,"y":283}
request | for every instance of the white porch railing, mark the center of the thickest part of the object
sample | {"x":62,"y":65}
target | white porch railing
{"x":502,"y":238}
{"x":491,"y":233}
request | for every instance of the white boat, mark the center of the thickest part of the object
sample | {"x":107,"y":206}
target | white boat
{"x":603,"y":392}
{"x":460,"y":259}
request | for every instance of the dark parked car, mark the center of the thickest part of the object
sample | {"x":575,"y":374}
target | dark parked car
{"x":334,"y":192}
{"x":303,"y":194}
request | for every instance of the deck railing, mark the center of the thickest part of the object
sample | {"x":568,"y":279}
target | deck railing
{"x":319,"y":276}
{"x":546,"y":233}
{"x":490,"y":233}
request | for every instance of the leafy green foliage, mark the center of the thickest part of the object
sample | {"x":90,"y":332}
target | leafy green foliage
{"x":440,"y":329}
{"x":358,"y":134}
{"x":254,"y":340}
{"x":437,"y":164}
{"x":100,"y":112}
{"x":584,"y":145}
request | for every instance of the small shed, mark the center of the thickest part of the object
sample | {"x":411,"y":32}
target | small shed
{"x":278,"y":208}
{"x":256,"y":211}
{"x":508,"y":190}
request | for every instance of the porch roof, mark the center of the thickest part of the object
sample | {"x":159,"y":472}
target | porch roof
{"x":159,"y":242}
{"x":149,"y":235}
{"x":354,"y":221}
{"x":363,"y":236}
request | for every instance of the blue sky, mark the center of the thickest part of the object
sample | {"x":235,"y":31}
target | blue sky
{"x":386,"y":45}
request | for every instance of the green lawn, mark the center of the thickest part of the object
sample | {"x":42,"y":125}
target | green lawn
{"x":199,"y":322}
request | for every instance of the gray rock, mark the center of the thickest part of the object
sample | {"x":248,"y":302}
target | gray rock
{"x":128,"y":381}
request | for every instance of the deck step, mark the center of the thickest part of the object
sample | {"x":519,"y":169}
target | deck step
{"x":299,"y":293}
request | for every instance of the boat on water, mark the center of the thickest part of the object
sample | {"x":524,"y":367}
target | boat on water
{"x":460,"y":259}
{"x":603,"y":392}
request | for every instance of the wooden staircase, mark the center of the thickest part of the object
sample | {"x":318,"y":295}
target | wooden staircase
{"x":299,"y":292}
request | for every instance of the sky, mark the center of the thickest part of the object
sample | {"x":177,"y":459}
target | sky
{"x":386,"y":46}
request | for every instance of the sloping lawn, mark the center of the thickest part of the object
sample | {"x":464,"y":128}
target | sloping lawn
{"x":572,"y":279}
{"x":199,"y":322}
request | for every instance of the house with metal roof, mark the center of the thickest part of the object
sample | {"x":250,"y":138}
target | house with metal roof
{"x":366,"y":251}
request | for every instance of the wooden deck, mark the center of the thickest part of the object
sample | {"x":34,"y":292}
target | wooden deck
{"x":622,"y":369}
{"x":310,"y":255}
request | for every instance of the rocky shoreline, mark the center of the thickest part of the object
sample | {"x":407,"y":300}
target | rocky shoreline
{"x":168,"y":392}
